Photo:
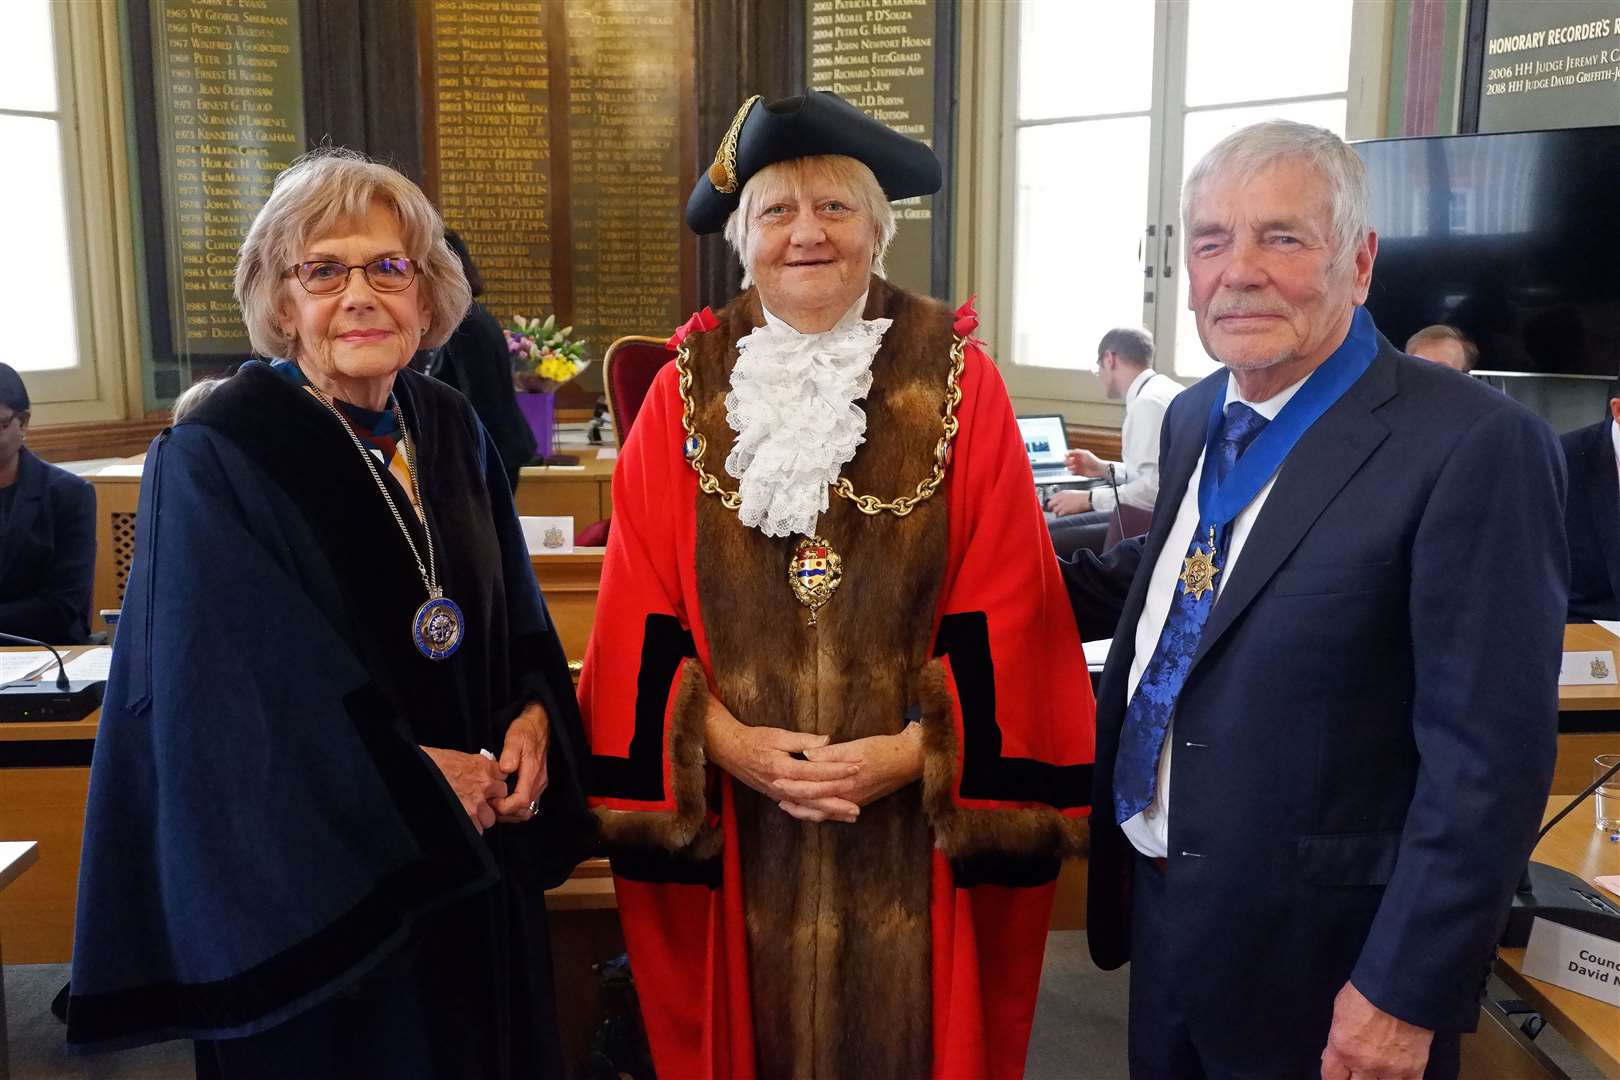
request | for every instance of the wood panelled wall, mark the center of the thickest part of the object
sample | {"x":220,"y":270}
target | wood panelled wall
{"x":362,"y":89}
{"x":744,"y":47}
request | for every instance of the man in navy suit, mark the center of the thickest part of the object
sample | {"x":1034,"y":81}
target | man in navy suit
{"x":1592,"y":518}
{"x":1327,"y":725}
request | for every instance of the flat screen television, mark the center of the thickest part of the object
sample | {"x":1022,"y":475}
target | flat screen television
{"x":1514,"y":238}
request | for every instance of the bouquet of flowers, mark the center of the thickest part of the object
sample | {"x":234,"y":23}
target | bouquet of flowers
{"x":543,"y":354}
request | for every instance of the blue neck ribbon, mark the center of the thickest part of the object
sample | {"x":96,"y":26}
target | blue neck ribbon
{"x":1219,"y":504}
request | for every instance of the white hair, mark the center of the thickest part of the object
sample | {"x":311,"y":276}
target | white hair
{"x":790,"y":178}
{"x":1248,"y":151}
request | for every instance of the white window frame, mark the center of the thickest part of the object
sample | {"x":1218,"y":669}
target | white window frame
{"x":987,"y":178}
{"x":100,"y":222}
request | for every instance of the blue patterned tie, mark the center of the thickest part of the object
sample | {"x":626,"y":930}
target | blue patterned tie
{"x":1147,"y":716}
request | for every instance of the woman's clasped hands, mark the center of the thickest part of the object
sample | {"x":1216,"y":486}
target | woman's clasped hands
{"x":480,"y":782}
{"x":826,"y":781}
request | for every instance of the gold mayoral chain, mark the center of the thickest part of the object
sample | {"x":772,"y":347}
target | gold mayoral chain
{"x":815,"y":570}
{"x":438,"y":626}
{"x":1198,"y":570}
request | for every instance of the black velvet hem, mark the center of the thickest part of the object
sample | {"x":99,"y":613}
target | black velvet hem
{"x":986,"y":773}
{"x":1000,"y":868}
{"x":663,"y":868}
{"x":454,"y":864}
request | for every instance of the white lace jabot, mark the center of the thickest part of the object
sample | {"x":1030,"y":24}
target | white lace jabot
{"x":792,"y":405}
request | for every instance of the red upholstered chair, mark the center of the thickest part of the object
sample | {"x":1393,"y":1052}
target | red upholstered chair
{"x":628,"y":369}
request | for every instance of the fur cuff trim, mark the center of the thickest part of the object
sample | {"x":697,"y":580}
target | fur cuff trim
{"x":960,"y":832}
{"x":687,"y":830}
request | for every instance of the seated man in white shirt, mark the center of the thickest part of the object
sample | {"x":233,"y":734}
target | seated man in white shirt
{"x":1125,"y":369}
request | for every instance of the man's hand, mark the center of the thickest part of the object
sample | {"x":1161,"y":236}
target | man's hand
{"x":1064,"y":503}
{"x":761,"y":757}
{"x":1365,"y":1042}
{"x":523,"y":751}
{"x":887,"y":763}
{"x":476,"y":780}
{"x":1085,"y":463}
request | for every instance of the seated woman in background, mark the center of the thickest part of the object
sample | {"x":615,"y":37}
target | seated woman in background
{"x":335,"y":768}
{"x":47,"y":534}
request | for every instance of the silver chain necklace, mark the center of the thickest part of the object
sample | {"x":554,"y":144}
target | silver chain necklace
{"x":438,"y":626}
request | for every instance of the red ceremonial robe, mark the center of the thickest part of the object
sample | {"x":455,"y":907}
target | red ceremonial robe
{"x":910,"y":942}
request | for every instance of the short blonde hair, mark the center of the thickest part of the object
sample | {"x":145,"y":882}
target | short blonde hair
{"x":320,"y":192}
{"x":791,"y":177}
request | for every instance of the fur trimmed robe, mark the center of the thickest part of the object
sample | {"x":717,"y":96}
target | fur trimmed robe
{"x":908,"y":943}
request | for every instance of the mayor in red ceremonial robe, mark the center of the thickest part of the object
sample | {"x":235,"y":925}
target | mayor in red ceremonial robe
{"x":840,"y":724}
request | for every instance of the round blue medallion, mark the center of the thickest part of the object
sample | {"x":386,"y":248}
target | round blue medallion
{"x":438,"y":628}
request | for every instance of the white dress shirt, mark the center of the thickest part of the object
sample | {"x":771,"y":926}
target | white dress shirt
{"x":1149,"y":830}
{"x":1147,"y":399}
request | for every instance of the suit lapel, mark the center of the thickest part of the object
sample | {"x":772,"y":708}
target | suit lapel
{"x":1188,"y":416}
{"x":1603,"y":493}
{"x":1321,"y":463}
{"x":24,"y":506}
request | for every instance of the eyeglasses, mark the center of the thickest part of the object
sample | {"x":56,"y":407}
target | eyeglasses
{"x":391,"y":273}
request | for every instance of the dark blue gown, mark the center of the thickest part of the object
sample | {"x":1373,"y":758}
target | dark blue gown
{"x":271,"y":866}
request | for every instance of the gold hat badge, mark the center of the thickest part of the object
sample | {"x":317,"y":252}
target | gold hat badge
{"x":723,"y":173}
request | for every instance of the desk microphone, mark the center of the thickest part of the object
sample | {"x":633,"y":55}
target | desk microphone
{"x":37,"y":701}
{"x":1557,"y":895}
{"x":61,"y":668}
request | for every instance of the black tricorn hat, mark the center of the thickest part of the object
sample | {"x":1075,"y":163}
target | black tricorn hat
{"x":811,"y":124}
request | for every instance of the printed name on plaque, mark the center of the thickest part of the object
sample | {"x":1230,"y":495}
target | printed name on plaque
{"x":1574,"y":959}
{"x":230,"y":117}
{"x":879,"y":56}
{"x":558,"y":134}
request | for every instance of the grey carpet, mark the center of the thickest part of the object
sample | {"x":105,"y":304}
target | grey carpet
{"x":1079,"y":1027}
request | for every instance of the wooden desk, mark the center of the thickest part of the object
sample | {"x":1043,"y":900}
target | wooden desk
{"x":116,"y":500}
{"x":1591,"y":1026}
{"x":1589,"y":637}
{"x":584,"y":494}
{"x":570,"y":583}
{"x":15,"y":857}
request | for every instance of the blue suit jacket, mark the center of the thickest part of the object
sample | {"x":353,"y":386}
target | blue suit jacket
{"x":1592,"y":520}
{"x":48,"y":555}
{"x":1365,"y":740}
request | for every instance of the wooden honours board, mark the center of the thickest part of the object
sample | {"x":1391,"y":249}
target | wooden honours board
{"x":560,"y":145}
{"x":880,"y":56}
{"x":228,"y":101}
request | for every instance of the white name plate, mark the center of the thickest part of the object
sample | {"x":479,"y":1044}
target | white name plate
{"x":548,"y":535}
{"x":1575,"y":960}
{"x":1587,"y":669}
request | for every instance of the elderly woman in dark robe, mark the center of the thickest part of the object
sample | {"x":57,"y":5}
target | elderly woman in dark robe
{"x":335,"y":770}
{"x":840,"y":721}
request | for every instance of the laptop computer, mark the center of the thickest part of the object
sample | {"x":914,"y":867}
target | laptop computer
{"x":1046,"y":443}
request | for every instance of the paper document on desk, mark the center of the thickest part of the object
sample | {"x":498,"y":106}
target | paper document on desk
{"x":1587,"y":669}
{"x":91,"y":665}
{"x":14,"y":665}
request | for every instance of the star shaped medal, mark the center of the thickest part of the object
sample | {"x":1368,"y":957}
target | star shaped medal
{"x":1198,"y":570}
